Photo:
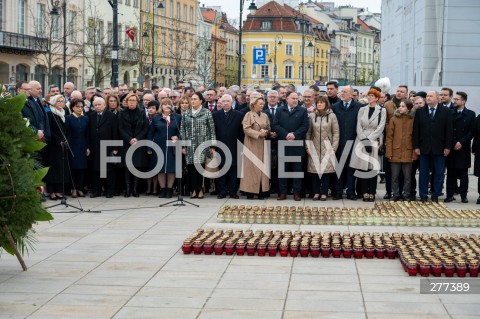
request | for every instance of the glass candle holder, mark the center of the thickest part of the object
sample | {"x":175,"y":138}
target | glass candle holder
{"x":315,"y":250}
{"x":187,"y":247}
{"x":208,"y":247}
{"x":293,"y":249}
{"x":461,"y":268}
{"x":262,"y":249}
{"x":448,"y":268}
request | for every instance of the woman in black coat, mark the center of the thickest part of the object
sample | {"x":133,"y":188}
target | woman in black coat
{"x":56,"y":157}
{"x":165,"y":127}
{"x":133,"y":127}
{"x":78,"y":141}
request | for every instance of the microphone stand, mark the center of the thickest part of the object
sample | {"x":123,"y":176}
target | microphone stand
{"x":179,"y":201}
{"x":66,"y":145}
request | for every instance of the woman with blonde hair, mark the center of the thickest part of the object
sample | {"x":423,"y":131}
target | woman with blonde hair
{"x":183,"y":104}
{"x":256,"y":127}
{"x":321,"y":144}
{"x":165,"y":127}
{"x":113,"y":103}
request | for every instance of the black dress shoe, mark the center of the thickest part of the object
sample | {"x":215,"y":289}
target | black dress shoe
{"x":464,"y":200}
{"x":109,"y":196}
{"x":352,"y":197}
{"x":94,"y":195}
{"x":434,"y":200}
{"x":337,"y":197}
{"x":478,"y":200}
{"x":387,"y":196}
{"x":423,"y":200}
{"x":221,"y":196}
{"x":281,"y":197}
{"x":449,"y":199}
{"x":235,"y":196}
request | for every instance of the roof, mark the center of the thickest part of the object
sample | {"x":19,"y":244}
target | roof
{"x":363,"y":25}
{"x":209,"y":15}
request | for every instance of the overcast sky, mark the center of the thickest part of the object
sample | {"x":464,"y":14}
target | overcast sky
{"x":232,"y":7}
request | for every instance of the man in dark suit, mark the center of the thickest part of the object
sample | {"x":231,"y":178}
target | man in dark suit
{"x":459,"y":159}
{"x":271,"y":108}
{"x":291,"y":124}
{"x":211,"y":98}
{"x":103,"y":125}
{"x":432,"y":141}
{"x":228,"y":129}
{"x":346,"y":111}
{"x":33,"y":109}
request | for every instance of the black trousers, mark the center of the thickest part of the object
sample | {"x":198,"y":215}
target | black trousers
{"x":228,"y":184}
{"x":321,"y":185}
{"x":368,"y":185}
{"x":453,"y":174}
{"x":196,"y":178}
{"x":107,"y":183}
{"x":297,"y":182}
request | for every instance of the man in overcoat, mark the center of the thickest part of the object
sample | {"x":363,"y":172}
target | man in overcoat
{"x":228,"y":129}
{"x":459,"y":159}
{"x":432,"y":141}
{"x":291,"y":124}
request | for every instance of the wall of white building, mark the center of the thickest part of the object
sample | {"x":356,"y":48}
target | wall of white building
{"x":431,"y":42}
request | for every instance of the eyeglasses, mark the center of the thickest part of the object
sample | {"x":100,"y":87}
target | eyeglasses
{"x":60,"y":101}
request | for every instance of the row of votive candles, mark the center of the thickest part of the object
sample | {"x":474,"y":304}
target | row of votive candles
{"x":348,"y":216}
{"x":419,"y":253}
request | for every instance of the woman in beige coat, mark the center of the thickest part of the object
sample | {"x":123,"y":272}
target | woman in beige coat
{"x":321,"y":144}
{"x":370,"y":125}
{"x":256,"y":127}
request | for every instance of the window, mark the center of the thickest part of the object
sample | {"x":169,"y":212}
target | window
{"x":109,"y":33}
{"x":288,"y":71}
{"x":365,"y":43}
{"x":90,"y":31}
{"x":185,"y":13}
{"x":244,"y":48}
{"x":264,"y":71}
{"x":147,"y":6}
{"x":178,"y":10}
{"x":267,"y":25}
{"x":135,"y":3}
{"x":191,"y":14}
{"x":300,"y":69}
{"x":120,"y":34}
{"x":254,"y":70}
{"x":71,"y":26}
{"x":266,"y":47}
{"x":39,"y":19}
{"x":171,"y":9}
{"x":163,"y":44}
{"x":289,"y":49}
{"x":55,"y":34}
{"x":244,"y":69}
{"x":21,"y":16}
{"x":369,"y":58}
{"x":127,"y":2}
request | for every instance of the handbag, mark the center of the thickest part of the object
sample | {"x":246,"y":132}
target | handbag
{"x":368,"y":147}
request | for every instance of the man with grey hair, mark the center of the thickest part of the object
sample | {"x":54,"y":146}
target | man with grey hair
{"x":432,"y":141}
{"x":35,"y":112}
{"x":68,"y":88}
{"x":161,"y":95}
{"x":346,"y":111}
{"x":228,"y":129}
{"x":103,"y":125}
{"x":221,"y":91}
{"x":174,"y":96}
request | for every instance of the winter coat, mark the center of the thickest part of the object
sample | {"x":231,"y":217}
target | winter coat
{"x":133,"y":124}
{"x":323,"y":131}
{"x":107,"y":130}
{"x":347,"y":123}
{"x":296,"y":122}
{"x":433,"y":136}
{"x":369,"y":132}
{"x":78,"y":141}
{"x":197,"y":128}
{"x":228,"y":130}
{"x":399,"y":141}
{"x":159,"y":133}
{"x":463,"y":130}
{"x":56,"y":156}
{"x":391,"y":107}
{"x":252,"y":175}
{"x":476,"y":146}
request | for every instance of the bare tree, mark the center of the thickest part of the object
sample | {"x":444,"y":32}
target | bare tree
{"x":51,"y":28}
{"x":180,"y":53}
{"x":231,"y":71}
{"x":97,"y":48}
{"x":204,"y":59}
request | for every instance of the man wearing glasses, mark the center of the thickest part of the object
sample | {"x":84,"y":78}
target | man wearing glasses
{"x":147,"y":97}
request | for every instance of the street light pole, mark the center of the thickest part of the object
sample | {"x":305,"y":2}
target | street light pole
{"x":114,"y":5}
{"x":54,"y":12}
{"x":278,"y":41}
{"x":252,"y":9}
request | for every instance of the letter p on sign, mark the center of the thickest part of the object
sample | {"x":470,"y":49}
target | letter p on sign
{"x":259,"y":56}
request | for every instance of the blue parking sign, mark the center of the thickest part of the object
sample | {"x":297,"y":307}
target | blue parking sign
{"x":259,"y":56}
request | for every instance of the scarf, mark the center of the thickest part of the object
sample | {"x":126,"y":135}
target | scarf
{"x":60,"y":114}
{"x":195,"y":112}
{"x":396,"y":101}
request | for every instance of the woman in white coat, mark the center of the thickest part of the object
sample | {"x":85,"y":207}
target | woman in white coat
{"x":365,"y":159}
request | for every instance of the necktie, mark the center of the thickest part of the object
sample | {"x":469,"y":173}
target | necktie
{"x":460,"y":111}
{"x":272,"y":111}
{"x":226,"y":115}
{"x":211,"y":107}
{"x":432,"y":110}
{"x":166,"y":119}
{"x":291,"y":109}
{"x":345,"y":105}
{"x":99,"y":117}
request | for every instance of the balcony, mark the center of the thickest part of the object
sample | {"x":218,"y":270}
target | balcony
{"x":21,"y":43}
{"x":124,"y":54}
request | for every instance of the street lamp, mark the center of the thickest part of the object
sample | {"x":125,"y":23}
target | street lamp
{"x":278,"y":42}
{"x":252,"y":8}
{"x":55,"y":14}
{"x":145,"y":35}
{"x":355,"y":38}
{"x":303,"y":23}
{"x":374,"y":55}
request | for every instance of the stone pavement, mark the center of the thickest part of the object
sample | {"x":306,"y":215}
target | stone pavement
{"x":127,"y":263}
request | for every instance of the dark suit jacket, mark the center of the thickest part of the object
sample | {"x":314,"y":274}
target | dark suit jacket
{"x":37,"y":116}
{"x":463,"y":131}
{"x":133,"y":124}
{"x":206,"y":105}
{"x":433,"y":136}
{"x":106,"y":129}
{"x":347,"y":122}
{"x":295,"y":122}
{"x":228,"y":131}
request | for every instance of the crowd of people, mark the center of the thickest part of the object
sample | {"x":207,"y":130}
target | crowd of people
{"x":319,"y":144}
